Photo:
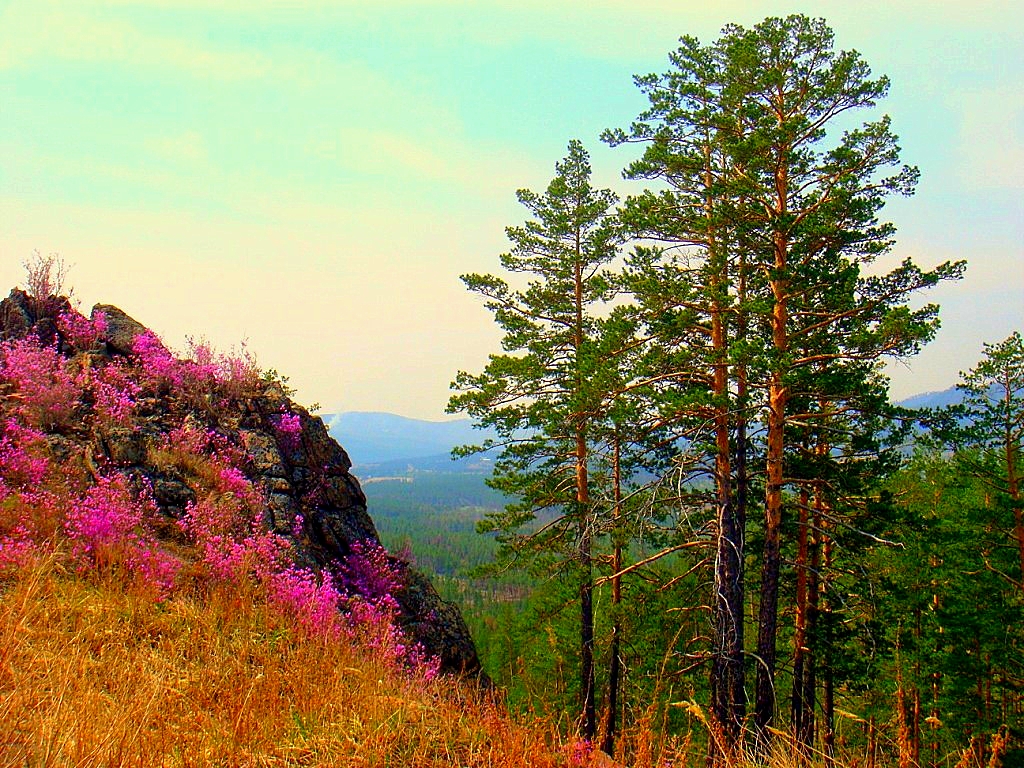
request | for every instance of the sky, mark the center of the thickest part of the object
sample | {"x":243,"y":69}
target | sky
{"x":310,"y":178}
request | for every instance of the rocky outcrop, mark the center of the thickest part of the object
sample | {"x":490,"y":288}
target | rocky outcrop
{"x":120,"y":330}
{"x":21,"y":314}
{"x":303,"y":478}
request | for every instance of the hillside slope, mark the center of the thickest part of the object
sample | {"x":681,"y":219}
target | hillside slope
{"x":96,"y":673}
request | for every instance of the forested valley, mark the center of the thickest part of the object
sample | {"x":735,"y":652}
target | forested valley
{"x":717,"y":523}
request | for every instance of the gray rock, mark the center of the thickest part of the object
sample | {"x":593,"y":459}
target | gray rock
{"x":121,"y":329}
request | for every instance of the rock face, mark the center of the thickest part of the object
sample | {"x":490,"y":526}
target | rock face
{"x":305,"y":478}
{"x":20,"y":314}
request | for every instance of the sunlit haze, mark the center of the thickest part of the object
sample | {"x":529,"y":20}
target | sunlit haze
{"x":313,"y":177}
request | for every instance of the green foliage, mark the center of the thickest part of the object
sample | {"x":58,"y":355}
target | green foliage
{"x":742,"y":362}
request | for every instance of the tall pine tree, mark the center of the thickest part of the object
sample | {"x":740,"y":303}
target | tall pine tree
{"x":543,"y":396}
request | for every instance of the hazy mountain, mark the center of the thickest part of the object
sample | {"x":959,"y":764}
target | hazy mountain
{"x":942,"y":399}
{"x":385,"y":443}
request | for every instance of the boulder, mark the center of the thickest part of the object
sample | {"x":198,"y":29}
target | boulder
{"x":120,"y":331}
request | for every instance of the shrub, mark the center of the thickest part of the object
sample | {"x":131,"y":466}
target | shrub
{"x":107,"y":527}
{"x":233,"y":543}
{"x":312,"y":603}
{"x":22,"y":463}
{"x":46,"y":393}
{"x":81,"y":332}
{"x":44,"y":275}
{"x":288,"y":429}
{"x":115,"y":393}
{"x":156,"y":363}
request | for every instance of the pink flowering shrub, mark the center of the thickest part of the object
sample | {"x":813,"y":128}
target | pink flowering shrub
{"x":23,"y":467}
{"x":17,"y":547}
{"x":201,"y":375}
{"x":370,"y":579}
{"x":580,"y":753}
{"x":215,"y":449}
{"x":313,"y":604}
{"x":202,"y":363}
{"x":233,"y":481}
{"x":153,"y":358}
{"x":82,"y":332}
{"x":115,"y":392}
{"x":370,"y":573}
{"x":236,"y":372}
{"x":104,"y":518}
{"x":46,"y":393}
{"x":232,"y":541}
{"x":22,"y":463}
{"x":288,"y":428}
{"x":107,"y":526}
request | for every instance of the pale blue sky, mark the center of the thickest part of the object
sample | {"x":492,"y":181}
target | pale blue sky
{"x":314,"y":176}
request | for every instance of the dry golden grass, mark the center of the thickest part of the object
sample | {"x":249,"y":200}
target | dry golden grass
{"x":94,"y":675}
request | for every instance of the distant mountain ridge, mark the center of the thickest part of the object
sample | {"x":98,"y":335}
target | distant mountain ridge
{"x":940,"y":399}
{"x":388,"y":444}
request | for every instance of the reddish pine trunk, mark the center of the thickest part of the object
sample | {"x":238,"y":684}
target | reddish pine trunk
{"x":778,"y":397}
{"x":615,"y":664}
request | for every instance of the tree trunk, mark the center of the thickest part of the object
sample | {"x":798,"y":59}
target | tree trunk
{"x":778,"y":396}
{"x":615,"y":662}
{"x":727,"y":661}
{"x":827,"y":619}
{"x":804,"y":663}
{"x":799,"y":704}
{"x":764,"y":706}
{"x":585,"y":534}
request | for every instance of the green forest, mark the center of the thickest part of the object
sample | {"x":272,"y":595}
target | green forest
{"x":719,"y":522}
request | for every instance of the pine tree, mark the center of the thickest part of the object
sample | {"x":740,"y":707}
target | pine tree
{"x":773,"y":220}
{"x":544,"y":395}
{"x":992,"y":426}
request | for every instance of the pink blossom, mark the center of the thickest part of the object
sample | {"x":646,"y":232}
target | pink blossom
{"x":17,"y":548}
{"x":21,"y":465}
{"x":288,"y":427}
{"x":115,"y":392}
{"x":108,"y":524}
{"x":81,"y":332}
{"x":369,"y":572}
{"x":48,"y":394}
{"x":311,"y":602}
{"x":156,"y":361}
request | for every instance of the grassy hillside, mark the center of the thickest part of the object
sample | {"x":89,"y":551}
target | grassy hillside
{"x":96,"y":673}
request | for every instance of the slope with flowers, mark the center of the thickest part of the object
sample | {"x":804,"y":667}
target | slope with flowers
{"x":172,"y":472}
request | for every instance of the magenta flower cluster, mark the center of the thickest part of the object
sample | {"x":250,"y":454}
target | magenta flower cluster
{"x":288,"y":427}
{"x":82,"y":332}
{"x":107,"y":526}
{"x":43,"y":389}
{"x":115,"y":393}
{"x":22,"y":463}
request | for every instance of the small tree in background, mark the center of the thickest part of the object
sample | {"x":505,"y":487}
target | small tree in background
{"x":989,"y":431}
